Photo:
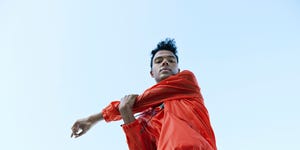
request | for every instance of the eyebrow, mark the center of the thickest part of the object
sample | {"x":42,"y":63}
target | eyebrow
{"x":169,"y":56}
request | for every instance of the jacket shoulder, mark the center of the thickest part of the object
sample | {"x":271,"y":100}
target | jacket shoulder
{"x":187,"y":73}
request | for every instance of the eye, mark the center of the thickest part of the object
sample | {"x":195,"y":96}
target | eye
{"x":171,"y":60}
{"x":158,"y":60}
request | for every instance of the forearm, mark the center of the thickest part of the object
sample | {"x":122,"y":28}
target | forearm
{"x":95,"y":117}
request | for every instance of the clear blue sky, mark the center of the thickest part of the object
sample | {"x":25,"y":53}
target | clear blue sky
{"x":64,"y":60}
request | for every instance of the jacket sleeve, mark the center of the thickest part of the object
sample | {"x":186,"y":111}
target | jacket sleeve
{"x":180,"y":86}
{"x":137,"y":138}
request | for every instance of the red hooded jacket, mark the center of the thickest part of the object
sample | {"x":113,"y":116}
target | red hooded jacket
{"x":181,"y":124}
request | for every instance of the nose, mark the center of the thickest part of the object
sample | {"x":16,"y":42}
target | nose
{"x":165,"y":62}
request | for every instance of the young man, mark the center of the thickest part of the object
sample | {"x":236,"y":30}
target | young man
{"x":173,"y":115}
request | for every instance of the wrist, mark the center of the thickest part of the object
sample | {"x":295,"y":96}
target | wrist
{"x":127,"y":114}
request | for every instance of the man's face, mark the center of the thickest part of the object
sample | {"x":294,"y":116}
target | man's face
{"x":164,"y":65}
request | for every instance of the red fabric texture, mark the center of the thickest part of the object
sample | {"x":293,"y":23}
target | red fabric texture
{"x":183,"y":123}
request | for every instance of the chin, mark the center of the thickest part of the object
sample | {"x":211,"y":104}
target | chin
{"x":164,"y":76}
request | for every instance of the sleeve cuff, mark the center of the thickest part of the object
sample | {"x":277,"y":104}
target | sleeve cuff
{"x":111,"y":113}
{"x":131,"y":125}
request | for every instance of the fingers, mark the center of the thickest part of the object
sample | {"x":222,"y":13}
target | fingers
{"x":127,"y":101}
{"x":132,"y":95}
{"x":129,"y":98}
{"x":76,"y":134}
{"x":76,"y":130}
{"x":72,"y":135}
{"x":80,"y":133}
{"x":80,"y":127}
{"x":75,"y":127}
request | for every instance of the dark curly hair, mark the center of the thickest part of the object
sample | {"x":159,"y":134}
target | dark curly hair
{"x":167,"y":44}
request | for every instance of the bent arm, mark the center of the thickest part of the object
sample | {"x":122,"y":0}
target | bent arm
{"x":182,"y":85}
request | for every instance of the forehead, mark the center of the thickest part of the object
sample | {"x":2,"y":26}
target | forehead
{"x":163,"y":53}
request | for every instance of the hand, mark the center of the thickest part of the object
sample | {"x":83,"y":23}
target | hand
{"x":80,"y":127}
{"x":125,"y":108}
{"x":127,"y":102}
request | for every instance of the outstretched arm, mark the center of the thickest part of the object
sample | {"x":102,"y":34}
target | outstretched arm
{"x":81,"y":126}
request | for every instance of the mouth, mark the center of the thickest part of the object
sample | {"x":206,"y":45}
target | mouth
{"x":164,"y":70}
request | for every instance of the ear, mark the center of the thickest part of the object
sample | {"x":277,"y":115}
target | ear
{"x":151,"y":73}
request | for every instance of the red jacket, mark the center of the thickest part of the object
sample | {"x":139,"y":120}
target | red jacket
{"x":183,"y":122}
